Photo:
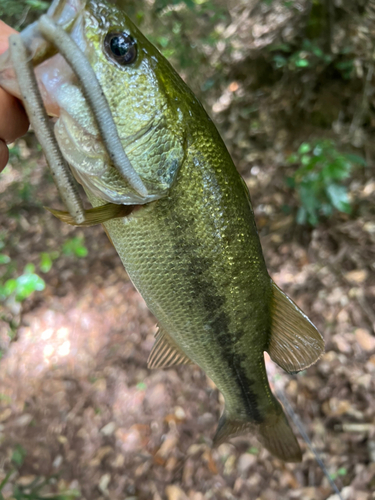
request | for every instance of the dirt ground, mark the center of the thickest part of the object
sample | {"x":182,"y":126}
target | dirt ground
{"x":79,"y":404}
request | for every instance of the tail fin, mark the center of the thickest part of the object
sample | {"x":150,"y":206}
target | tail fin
{"x":275,"y":434}
{"x":229,"y":427}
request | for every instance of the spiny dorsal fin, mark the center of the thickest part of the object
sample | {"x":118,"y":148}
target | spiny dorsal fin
{"x":295,"y":343}
{"x":165,"y":353}
{"x":96,"y":215}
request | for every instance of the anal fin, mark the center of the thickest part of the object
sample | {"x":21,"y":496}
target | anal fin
{"x":295,"y":343}
{"x":166,"y":353}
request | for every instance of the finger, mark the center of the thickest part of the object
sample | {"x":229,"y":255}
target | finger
{"x":14,"y":121}
{"x":5,"y":32}
{"x":4,"y":155}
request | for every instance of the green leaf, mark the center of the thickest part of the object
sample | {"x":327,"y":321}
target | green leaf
{"x":4,"y":259}
{"x":357,"y":160}
{"x":292,"y":158}
{"x":18,"y":455}
{"x":37,"y":4}
{"x":301,"y":216}
{"x":4,"y":482}
{"x":27,"y":284}
{"x":338,"y":196}
{"x":253,"y":450}
{"x":283,"y":47}
{"x":45,"y":262}
{"x":29,"y":269}
{"x":317,"y":51}
{"x":302,"y":63}
{"x":290,"y":182}
{"x":280,"y":61}
{"x":75,"y":246}
{"x":81,"y":251}
{"x":305,"y":160}
{"x":344,"y":65}
{"x":304,"y":148}
{"x":342,"y":471}
{"x":10,"y":287}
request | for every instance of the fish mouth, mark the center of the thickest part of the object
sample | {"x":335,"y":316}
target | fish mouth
{"x":41,"y":41}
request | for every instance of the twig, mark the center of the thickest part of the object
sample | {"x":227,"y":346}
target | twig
{"x":358,"y":117}
{"x":297,"y":422}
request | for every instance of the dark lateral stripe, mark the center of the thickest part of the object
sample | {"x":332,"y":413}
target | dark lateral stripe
{"x":208,"y":300}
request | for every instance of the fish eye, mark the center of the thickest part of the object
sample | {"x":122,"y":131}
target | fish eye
{"x":120,"y":47}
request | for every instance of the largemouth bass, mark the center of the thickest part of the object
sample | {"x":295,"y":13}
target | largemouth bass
{"x":191,"y":246}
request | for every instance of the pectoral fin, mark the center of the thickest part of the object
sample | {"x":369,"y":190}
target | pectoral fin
{"x":96,"y":215}
{"x":166,"y":353}
{"x":295,"y":343}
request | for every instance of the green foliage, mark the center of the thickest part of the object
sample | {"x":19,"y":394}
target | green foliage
{"x":21,"y":12}
{"x":341,"y":472}
{"x":318,"y":181}
{"x":18,"y":455}
{"x":46,"y":261}
{"x":75,"y":246}
{"x":23,"y":286}
{"x":185,"y":31}
{"x":253,"y":450}
{"x":4,"y":259}
{"x":310,"y":55}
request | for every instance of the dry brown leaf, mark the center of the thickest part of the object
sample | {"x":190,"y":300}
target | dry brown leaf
{"x":365,"y":339}
{"x":357,"y":276}
{"x":174,"y":492}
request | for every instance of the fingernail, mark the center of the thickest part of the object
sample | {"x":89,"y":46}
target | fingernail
{"x":4,"y":155}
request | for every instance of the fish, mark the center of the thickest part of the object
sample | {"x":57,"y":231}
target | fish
{"x":189,"y":242}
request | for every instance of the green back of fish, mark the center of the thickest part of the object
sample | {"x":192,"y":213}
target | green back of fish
{"x":196,"y":259}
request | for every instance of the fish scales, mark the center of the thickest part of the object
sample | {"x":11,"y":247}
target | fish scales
{"x":190,"y":246}
{"x":209,"y":289}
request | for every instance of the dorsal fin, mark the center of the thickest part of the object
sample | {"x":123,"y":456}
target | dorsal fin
{"x":295,"y":343}
{"x":165,"y":353}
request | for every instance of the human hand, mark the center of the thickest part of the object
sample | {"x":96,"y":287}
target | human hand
{"x":13,"y":119}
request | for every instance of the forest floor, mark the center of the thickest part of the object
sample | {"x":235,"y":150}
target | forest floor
{"x":81,"y":416}
{"x":79,"y":407}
